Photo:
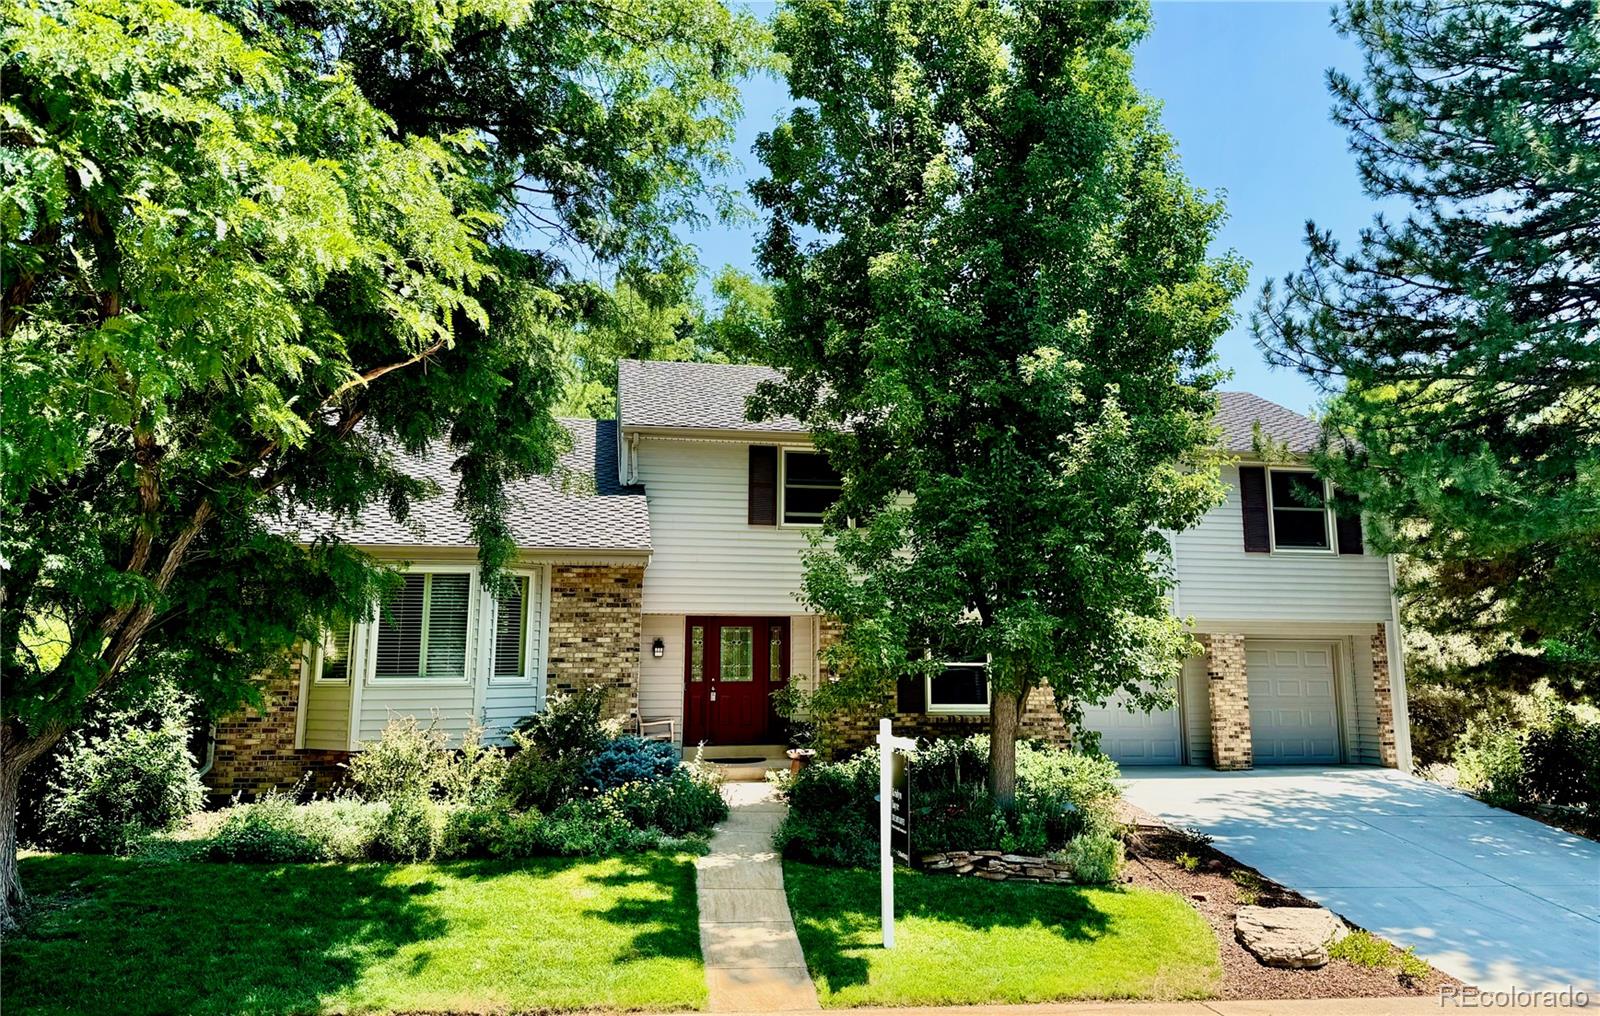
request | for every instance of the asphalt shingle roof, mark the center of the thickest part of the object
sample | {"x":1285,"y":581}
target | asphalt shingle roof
{"x":581,"y":506}
{"x":697,"y":396}
{"x":1238,"y":413}
{"x":711,"y":396}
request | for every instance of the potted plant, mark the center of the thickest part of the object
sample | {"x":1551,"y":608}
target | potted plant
{"x":792,"y":704}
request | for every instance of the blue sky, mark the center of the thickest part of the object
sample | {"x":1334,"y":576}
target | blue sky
{"x":1243,"y":92}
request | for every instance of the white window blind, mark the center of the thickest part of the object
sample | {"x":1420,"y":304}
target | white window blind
{"x":422,"y":630}
{"x":511,"y":633}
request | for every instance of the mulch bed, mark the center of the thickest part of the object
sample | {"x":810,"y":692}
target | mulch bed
{"x":1211,"y":890}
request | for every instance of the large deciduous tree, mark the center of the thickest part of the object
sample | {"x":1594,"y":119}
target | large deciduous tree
{"x":247,"y":259}
{"x":1461,"y":343}
{"x":997,"y":312}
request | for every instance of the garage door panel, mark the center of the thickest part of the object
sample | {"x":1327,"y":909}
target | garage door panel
{"x":1293,"y":714}
{"x":1136,"y":738}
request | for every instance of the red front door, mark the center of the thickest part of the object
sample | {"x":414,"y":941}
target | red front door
{"x":732,"y":665}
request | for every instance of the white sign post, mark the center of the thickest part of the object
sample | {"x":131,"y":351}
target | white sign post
{"x":888,"y":744}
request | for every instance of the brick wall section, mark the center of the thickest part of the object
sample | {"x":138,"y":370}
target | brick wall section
{"x":1229,"y":687}
{"x":595,"y":613}
{"x":1383,"y":697}
{"x":255,"y":750}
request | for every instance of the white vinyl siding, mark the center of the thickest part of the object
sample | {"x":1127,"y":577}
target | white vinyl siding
{"x":1217,"y":579}
{"x":706,"y":558}
{"x":431,"y":654}
{"x":1196,"y":702}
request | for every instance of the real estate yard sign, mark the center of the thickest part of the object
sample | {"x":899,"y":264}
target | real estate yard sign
{"x":894,"y":816}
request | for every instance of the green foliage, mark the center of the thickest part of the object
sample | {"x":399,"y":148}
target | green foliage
{"x":629,"y":759}
{"x":473,"y":831}
{"x":1554,"y":759}
{"x":997,"y":315}
{"x":1458,"y":345}
{"x":1364,"y":949}
{"x":256,"y":255}
{"x":113,"y":787}
{"x":1187,"y":861}
{"x":833,"y":809}
{"x":684,"y":802}
{"x":409,"y":830}
{"x":1095,"y":858}
{"x":1247,"y":886}
{"x":404,"y":763}
{"x":554,"y":749}
{"x":271,"y":829}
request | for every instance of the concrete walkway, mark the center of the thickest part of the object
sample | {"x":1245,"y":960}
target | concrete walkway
{"x":752,"y":955}
{"x":1410,"y":1006}
{"x":1496,"y":899}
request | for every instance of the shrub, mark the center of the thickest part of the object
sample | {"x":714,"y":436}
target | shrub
{"x":1060,"y":794}
{"x":553,"y":751}
{"x":685,"y":802}
{"x":576,"y":829}
{"x":1095,"y":858}
{"x":1362,"y":948}
{"x":113,"y":789}
{"x":409,"y":831}
{"x":406,"y":761}
{"x":1561,"y":760}
{"x":1489,"y":763}
{"x":475,"y":774}
{"x":343,"y":828}
{"x":474,"y":831}
{"x":1188,"y":862}
{"x":629,"y":759}
{"x":832,"y":815}
{"x":270,"y":830}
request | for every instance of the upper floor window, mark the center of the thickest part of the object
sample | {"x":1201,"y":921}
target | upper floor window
{"x":422,"y":629}
{"x":810,"y":487}
{"x":1300,"y":509}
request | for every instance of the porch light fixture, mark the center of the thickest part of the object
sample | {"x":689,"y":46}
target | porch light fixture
{"x":658,"y":649}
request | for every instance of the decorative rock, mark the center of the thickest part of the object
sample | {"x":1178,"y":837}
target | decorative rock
{"x":933,"y":858}
{"x":1293,"y":937}
{"x":987,"y":853}
{"x":993,"y":876}
{"x":1021,"y":859}
{"x":1199,"y":897}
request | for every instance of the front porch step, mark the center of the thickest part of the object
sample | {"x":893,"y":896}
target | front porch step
{"x":739,"y":763}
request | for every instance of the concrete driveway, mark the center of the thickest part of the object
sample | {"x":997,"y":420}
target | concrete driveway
{"x":1496,"y":899}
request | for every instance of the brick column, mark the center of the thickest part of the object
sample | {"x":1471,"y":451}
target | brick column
{"x":1230,"y":701}
{"x":595,"y":617}
{"x":1383,"y":696}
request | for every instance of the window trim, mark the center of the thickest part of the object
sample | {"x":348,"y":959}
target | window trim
{"x":783,"y":484}
{"x":931,"y":709}
{"x":1328,"y":527}
{"x":471,"y":658}
{"x":530,"y":663}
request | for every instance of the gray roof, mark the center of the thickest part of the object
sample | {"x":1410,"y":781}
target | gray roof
{"x":1240,"y":411}
{"x":711,"y":396}
{"x":694,"y":396}
{"x":581,"y":506}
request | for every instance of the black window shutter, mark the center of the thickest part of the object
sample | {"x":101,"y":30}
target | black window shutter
{"x":909,"y":695}
{"x":1253,"y":495}
{"x":763,"y":485}
{"x":1347,"y":523}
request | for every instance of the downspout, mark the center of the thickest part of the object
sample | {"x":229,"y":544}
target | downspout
{"x":211,"y":750}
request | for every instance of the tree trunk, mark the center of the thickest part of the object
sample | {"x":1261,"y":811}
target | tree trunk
{"x":17,"y":752}
{"x":1005,"y":721}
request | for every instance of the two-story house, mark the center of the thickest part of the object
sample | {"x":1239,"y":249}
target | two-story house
{"x":662,"y":561}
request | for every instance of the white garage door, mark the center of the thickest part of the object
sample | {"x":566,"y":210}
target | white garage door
{"x":1136,"y":739}
{"x":1293,"y":718}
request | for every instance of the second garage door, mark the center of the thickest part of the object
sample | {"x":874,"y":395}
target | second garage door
{"x":1136,"y":739}
{"x":1294,"y":718}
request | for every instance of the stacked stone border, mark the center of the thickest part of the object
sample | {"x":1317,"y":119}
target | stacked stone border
{"x":996,"y":866}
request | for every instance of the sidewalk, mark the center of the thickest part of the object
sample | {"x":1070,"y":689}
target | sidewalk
{"x":1415,"y":1006}
{"x":752,"y":954}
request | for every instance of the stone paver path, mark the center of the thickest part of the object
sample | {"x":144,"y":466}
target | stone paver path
{"x":752,"y":955}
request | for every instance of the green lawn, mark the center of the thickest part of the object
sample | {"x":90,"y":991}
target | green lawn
{"x":968,"y":942}
{"x":123,"y":936}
